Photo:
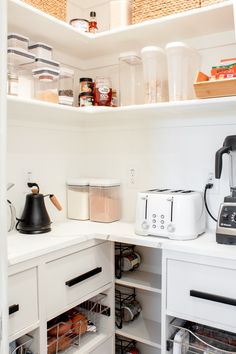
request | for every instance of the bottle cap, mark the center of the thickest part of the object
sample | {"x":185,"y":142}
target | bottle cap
{"x":92,"y":14}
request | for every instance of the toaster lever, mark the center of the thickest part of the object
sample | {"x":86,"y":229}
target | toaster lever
{"x":171,"y":200}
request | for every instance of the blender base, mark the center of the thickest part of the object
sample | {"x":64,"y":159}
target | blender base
{"x":225,"y":239}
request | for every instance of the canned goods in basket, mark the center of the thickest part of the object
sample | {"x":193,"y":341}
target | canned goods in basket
{"x":130,"y":310}
{"x":130,"y":261}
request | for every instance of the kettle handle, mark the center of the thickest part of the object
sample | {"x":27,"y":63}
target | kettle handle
{"x":218,"y":160}
{"x":55,"y":201}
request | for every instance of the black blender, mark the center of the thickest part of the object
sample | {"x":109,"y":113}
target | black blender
{"x":226,"y":225}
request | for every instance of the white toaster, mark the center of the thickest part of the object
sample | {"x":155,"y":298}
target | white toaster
{"x":177,"y":214}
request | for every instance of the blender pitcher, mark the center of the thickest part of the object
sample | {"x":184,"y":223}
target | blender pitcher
{"x":226,"y":225}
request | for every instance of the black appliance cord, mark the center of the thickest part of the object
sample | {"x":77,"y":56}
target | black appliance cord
{"x":208,"y":186}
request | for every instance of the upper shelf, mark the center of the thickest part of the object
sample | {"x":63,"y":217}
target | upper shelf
{"x":212,"y":111}
{"x":29,"y":21}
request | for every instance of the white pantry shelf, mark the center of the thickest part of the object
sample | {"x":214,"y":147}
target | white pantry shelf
{"x":141,"y":280}
{"x":142,"y":330}
{"x":89,"y":342}
{"x":29,"y":21}
{"x":212,"y":111}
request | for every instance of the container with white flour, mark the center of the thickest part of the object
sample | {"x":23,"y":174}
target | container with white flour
{"x":78,"y":199}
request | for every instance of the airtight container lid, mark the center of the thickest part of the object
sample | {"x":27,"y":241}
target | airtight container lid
{"x":40,"y":45}
{"x":17,"y":36}
{"x":176,"y":45}
{"x":45,"y":74}
{"x":98,"y":182}
{"x":18,"y":56}
{"x":130,"y":57}
{"x":46,"y":62}
{"x":78,"y":182}
{"x":152,"y":49}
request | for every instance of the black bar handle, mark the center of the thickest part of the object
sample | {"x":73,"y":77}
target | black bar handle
{"x":83,"y":277}
{"x":13,"y":308}
{"x":212,"y":297}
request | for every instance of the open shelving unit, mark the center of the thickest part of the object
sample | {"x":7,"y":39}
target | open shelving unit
{"x":191,"y":112}
{"x":142,"y":330}
{"x":170,"y":28}
{"x":141,"y":280}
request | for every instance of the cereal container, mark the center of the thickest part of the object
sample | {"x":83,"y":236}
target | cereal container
{"x":104,"y":200}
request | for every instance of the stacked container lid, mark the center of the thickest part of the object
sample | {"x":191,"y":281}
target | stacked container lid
{"x":94,"y":199}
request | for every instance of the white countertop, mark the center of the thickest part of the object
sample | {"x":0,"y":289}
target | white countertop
{"x":23,"y":247}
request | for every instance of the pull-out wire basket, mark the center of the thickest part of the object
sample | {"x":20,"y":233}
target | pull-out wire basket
{"x":82,"y":321}
{"x":123,"y":344}
{"x":201,"y":339}
{"x":23,"y":346}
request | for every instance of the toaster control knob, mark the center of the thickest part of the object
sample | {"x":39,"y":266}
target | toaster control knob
{"x":145,"y":225}
{"x":170,"y":228}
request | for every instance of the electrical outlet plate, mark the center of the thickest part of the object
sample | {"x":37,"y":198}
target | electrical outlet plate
{"x":216,"y":184}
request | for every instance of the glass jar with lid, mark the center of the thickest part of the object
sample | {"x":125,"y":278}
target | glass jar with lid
{"x":78,"y":199}
{"x":102,"y":91}
{"x":46,"y":84}
{"x":66,"y":86}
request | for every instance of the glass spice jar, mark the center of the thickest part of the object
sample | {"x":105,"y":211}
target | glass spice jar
{"x":85,"y":99}
{"x":86,"y":84}
{"x":102,"y":91}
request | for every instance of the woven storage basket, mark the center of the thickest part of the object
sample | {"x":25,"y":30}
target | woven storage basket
{"x":56,"y":8}
{"x":143,"y":10}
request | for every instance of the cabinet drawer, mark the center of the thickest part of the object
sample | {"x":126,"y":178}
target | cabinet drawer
{"x":201,"y":292}
{"x":23,"y":300}
{"x":70,"y":278}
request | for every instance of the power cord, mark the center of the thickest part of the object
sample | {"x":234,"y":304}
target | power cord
{"x":208,"y":186}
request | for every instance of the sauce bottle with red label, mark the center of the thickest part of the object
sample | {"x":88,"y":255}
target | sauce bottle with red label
{"x":102,"y":91}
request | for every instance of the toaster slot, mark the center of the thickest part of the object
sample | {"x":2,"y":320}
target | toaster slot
{"x":171,"y":209}
{"x":186,"y":192}
{"x":177,"y":191}
{"x":146,"y":207}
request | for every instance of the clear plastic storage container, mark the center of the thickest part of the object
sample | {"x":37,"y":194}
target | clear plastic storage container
{"x":46,"y":84}
{"x":41,"y":50}
{"x":78,"y":199}
{"x":130,"y":79}
{"x":66,"y":86}
{"x":183,"y":63}
{"x":155,"y":74}
{"x":16,"y":40}
{"x":104,"y":200}
{"x":17,"y":59}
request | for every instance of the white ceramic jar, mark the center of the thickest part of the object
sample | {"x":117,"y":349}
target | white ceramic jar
{"x":78,"y":199}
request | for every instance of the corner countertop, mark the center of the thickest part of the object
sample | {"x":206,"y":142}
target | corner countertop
{"x":23,"y":247}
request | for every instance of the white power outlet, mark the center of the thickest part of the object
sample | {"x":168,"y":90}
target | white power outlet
{"x":216,"y":184}
{"x":131,"y":176}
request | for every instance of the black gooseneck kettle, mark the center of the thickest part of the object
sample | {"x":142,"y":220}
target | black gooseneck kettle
{"x":35,"y":218}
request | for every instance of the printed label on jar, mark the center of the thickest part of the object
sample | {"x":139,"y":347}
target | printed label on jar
{"x":131,"y":261}
{"x":104,"y":90}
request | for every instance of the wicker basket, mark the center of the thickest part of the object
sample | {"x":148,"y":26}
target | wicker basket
{"x":143,"y":10}
{"x":56,"y":8}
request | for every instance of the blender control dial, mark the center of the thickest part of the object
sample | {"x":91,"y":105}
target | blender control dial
{"x":233,"y":217}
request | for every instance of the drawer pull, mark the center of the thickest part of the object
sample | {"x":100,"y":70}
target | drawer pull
{"x":84,"y":276}
{"x":13,"y":308}
{"x":212,"y":297}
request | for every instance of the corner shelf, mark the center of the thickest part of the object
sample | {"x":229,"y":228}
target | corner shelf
{"x":65,"y":38}
{"x":214,"y":111}
{"x":141,"y":280}
{"x":142,"y":330}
